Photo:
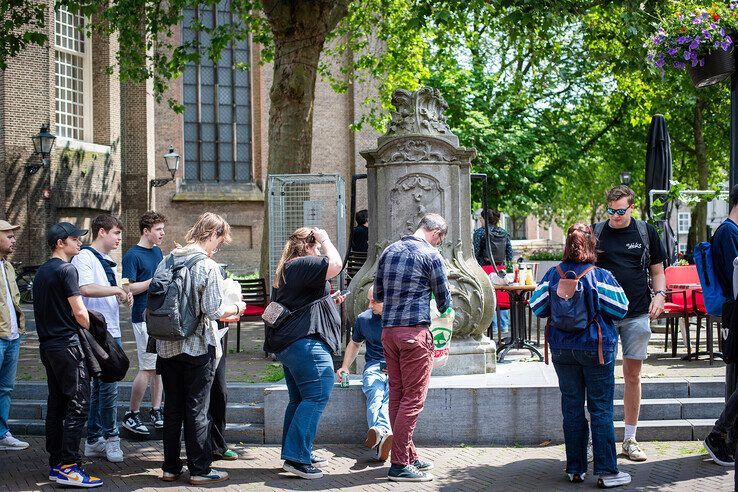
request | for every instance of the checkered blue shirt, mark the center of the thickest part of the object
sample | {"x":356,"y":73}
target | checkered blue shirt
{"x":408,"y":271}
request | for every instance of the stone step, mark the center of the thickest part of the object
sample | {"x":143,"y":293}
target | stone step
{"x":699,"y":387}
{"x":675,"y":408}
{"x":237,"y":392}
{"x":235,"y":433}
{"x":236,"y":412}
{"x":669,"y":430}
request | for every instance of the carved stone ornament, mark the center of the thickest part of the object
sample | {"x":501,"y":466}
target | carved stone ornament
{"x":415,"y":195}
{"x":417,"y":151}
{"x":419,"y":113}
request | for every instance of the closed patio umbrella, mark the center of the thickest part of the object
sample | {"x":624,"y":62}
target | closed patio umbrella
{"x":658,"y":177}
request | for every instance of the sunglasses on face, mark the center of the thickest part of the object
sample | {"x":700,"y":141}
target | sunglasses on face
{"x":619,"y":211}
{"x":310,"y":239}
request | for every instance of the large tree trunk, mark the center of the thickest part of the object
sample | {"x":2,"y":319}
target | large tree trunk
{"x":300,"y":28}
{"x":698,"y":226}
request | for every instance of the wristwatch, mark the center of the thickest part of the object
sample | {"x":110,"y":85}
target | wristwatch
{"x":662,"y":292}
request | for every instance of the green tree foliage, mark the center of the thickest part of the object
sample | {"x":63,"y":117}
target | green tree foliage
{"x":555,"y":95}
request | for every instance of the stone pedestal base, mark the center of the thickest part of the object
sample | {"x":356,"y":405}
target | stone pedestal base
{"x":466,"y":356}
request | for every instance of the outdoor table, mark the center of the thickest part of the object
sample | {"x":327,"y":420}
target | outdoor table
{"x":517,"y":322}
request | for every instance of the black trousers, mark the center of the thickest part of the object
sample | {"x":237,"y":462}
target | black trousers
{"x":218,"y":403}
{"x":725,"y":424}
{"x":68,"y":403}
{"x":187,"y":381}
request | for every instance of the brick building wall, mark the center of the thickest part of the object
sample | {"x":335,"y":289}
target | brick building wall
{"x":335,"y":150}
{"x":83,"y":178}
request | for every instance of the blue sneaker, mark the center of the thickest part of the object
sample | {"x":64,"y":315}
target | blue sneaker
{"x":54,"y":473}
{"x":75,"y":476}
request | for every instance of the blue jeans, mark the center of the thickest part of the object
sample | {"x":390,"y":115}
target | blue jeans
{"x":9,"y":350}
{"x":375,"y":384}
{"x":580,"y":374}
{"x":308,"y":372}
{"x":504,"y":321}
{"x":101,"y":421}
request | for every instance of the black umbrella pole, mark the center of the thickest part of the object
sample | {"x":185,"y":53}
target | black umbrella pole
{"x":733,"y":172}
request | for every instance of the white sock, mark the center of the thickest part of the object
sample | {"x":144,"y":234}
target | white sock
{"x":630,"y":432}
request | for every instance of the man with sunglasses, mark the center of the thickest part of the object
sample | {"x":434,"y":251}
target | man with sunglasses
{"x":631,"y":249}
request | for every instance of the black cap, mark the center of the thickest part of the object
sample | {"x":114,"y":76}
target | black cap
{"x":62,"y":230}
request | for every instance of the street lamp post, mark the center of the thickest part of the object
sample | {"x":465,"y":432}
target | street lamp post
{"x":171,"y":158}
{"x":42,"y":145}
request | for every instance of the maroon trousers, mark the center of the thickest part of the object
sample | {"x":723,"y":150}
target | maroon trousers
{"x":408,"y":351}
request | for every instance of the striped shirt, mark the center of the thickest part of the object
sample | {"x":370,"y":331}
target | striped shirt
{"x":409,"y":271}
{"x":208,"y":285}
{"x":603,"y":297}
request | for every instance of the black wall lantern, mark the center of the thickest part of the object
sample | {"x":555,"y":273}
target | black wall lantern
{"x":42,"y":145}
{"x":172,"y":160}
{"x":625,"y":178}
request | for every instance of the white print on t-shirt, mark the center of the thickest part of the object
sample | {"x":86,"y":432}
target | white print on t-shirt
{"x":634,"y":245}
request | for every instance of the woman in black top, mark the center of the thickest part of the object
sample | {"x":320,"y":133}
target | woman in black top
{"x":304,"y":341}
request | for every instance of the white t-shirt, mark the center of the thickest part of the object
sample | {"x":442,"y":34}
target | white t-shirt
{"x":9,"y":300}
{"x":91,"y":271}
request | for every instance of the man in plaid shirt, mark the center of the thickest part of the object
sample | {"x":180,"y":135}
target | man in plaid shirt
{"x":409,"y":271}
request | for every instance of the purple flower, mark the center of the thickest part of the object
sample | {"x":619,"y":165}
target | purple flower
{"x":672,"y":51}
{"x":706,"y":34}
{"x":716,"y":44}
{"x":659,"y":63}
{"x":687,"y":55}
{"x":683,"y":40}
{"x":678,"y":64}
{"x":697,"y":19}
{"x":727,"y":43}
{"x":702,"y":62}
{"x":694,"y":61}
{"x":695,"y":43}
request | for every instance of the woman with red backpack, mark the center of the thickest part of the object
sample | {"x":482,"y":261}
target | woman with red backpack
{"x":581,"y":301}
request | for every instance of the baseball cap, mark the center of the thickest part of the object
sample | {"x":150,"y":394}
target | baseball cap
{"x":63,"y":230}
{"x":7,"y":226}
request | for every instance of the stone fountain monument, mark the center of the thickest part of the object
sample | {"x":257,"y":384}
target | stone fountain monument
{"x":418,"y":167}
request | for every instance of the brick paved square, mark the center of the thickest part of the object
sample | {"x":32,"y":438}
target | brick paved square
{"x":671,"y":466}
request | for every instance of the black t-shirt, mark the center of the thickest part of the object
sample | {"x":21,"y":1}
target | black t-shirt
{"x":55,"y":282}
{"x":305,"y":283}
{"x":620,"y":251}
{"x":360,"y":238}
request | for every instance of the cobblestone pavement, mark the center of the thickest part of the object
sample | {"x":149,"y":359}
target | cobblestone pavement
{"x":671,"y":466}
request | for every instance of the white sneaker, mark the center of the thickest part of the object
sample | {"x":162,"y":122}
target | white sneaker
{"x":10,"y":443}
{"x":112,"y":450}
{"x":96,"y":449}
{"x":609,"y":481}
{"x":633,"y":450}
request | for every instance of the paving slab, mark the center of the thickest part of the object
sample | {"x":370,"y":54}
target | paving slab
{"x":681,"y":466}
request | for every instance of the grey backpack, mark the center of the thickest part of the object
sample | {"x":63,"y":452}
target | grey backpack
{"x":172,"y":312}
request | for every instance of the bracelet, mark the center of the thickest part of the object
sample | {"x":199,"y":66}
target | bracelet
{"x":662,"y":292}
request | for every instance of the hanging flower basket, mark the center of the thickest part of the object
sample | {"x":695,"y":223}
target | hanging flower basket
{"x":718,"y":66}
{"x":699,"y":39}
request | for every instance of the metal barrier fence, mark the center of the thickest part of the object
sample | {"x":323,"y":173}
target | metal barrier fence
{"x":310,"y":200}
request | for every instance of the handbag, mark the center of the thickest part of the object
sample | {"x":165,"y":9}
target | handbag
{"x":275,"y":314}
